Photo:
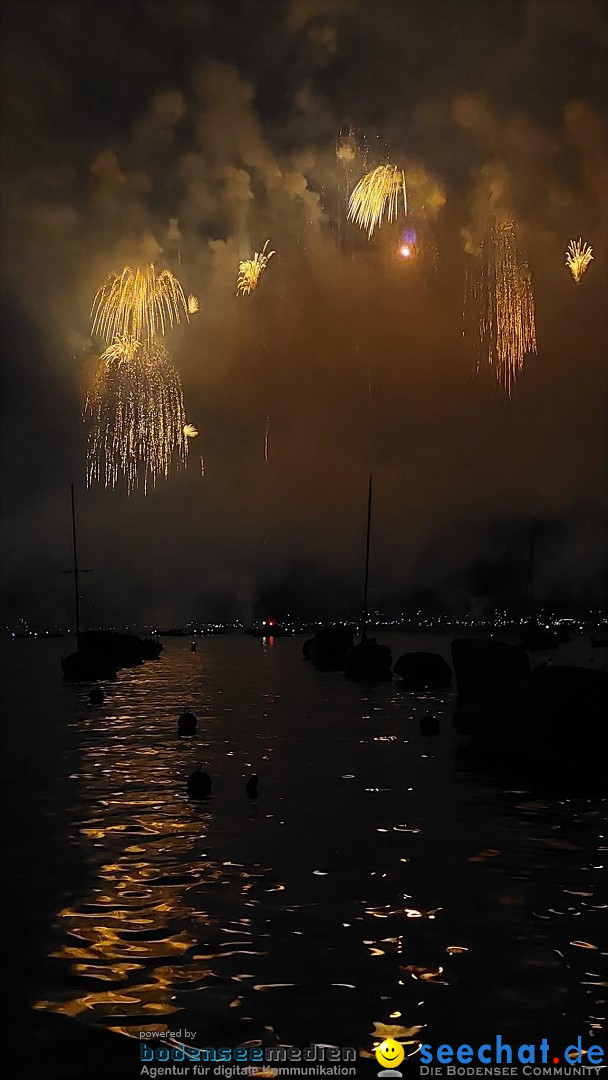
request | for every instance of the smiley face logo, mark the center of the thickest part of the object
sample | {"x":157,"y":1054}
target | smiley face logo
{"x":390,"y":1054}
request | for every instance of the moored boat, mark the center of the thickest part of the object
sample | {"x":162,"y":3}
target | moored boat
{"x":555,"y":712}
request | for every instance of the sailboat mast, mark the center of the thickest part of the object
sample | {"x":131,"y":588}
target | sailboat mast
{"x":75,"y":553}
{"x":365,"y":586}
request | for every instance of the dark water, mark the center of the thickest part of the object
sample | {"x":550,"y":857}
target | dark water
{"x":381,"y":877}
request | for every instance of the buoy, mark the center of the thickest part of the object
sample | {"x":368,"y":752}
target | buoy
{"x":251,"y":787}
{"x":199,"y":783}
{"x":186,"y":724}
{"x":96,"y":695}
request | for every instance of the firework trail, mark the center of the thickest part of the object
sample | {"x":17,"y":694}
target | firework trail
{"x":251,"y":270}
{"x":351,"y":161}
{"x":379,"y":192}
{"x":136,"y":408}
{"x":578,"y":257}
{"x":138,"y":304}
{"x":507,"y":324}
{"x":266,"y":439}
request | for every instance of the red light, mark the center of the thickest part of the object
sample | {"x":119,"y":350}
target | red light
{"x":270,"y":622}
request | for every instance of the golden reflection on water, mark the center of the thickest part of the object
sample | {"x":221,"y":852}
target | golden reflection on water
{"x":261,"y":917}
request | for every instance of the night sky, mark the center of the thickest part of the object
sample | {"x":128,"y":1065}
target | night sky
{"x":187,"y":133}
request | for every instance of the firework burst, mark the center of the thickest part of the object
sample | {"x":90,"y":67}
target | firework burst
{"x":507,"y":324}
{"x":138,"y":304}
{"x":193,"y":304}
{"x":135,"y":407}
{"x":251,"y":270}
{"x":379,"y":192}
{"x":346,"y":148}
{"x":578,"y":257}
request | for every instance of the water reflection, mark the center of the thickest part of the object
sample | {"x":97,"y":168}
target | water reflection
{"x":375,"y":878}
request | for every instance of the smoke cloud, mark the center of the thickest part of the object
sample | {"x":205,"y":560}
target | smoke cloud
{"x":190,"y":140}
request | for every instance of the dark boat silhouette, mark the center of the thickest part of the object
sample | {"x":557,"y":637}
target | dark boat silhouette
{"x":129,"y":649}
{"x":484,"y":666}
{"x":101,"y":653}
{"x":423,"y":671}
{"x":89,"y":667}
{"x":328,"y":647}
{"x":369,"y":662}
{"x":556,"y":713}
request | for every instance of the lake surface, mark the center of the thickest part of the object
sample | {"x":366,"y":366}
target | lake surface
{"x":380,"y":878}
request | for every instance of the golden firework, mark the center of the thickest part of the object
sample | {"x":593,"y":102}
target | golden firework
{"x":507,"y":320}
{"x":190,"y":431}
{"x":193,"y":304}
{"x":135,"y":408}
{"x":138,"y":304}
{"x":379,"y":192}
{"x":251,"y":270}
{"x":578,"y":257}
{"x":122,"y":351}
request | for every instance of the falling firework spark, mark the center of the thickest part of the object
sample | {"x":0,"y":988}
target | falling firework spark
{"x":266,"y":439}
{"x":138,"y":304}
{"x":250,"y":270}
{"x":507,"y":324}
{"x":193,"y":304}
{"x":378,"y":192}
{"x":136,"y":410}
{"x":190,"y":431}
{"x":578,"y":257}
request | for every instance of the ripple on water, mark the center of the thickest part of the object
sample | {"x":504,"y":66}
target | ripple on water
{"x":249,"y":919}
